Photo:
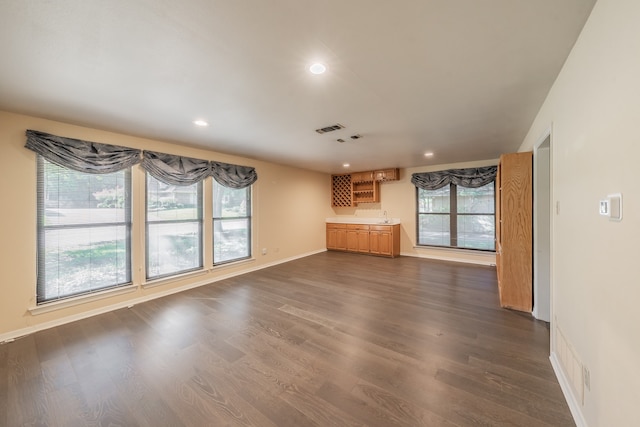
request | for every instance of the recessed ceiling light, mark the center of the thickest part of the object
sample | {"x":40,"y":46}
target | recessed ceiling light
{"x":200,"y":123}
{"x":346,"y":165}
{"x":317,"y":68}
{"x":428,"y":154}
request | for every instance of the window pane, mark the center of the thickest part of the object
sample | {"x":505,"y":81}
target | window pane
{"x":476,"y":200}
{"x":476,"y":231}
{"x":229,"y":202}
{"x":230,"y":239}
{"x":173,"y":247}
{"x":434,"y":230}
{"x":83,"y":231}
{"x":72,"y":198}
{"x":172,"y":202}
{"x":434,"y":201}
{"x":81,"y":260}
{"x":174,"y":228}
{"x":231,"y":223}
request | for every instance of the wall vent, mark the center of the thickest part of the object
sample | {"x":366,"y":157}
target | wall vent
{"x":571,"y":364}
{"x":330,"y":128}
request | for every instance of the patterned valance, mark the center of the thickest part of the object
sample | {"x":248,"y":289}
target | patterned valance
{"x":175,"y":170}
{"x":233,"y":176}
{"x":471,"y":178}
{"x":82,"y":156}
{"x":96,"y":158}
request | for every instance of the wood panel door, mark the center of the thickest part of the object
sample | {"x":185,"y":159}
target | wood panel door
{"x":515,"y":231}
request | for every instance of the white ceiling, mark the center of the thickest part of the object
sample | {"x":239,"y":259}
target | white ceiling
{"x":461,"y":78}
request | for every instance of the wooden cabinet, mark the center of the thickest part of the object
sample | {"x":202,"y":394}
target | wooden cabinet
{"x":358,"y":238}
{"x":384,"y":240}
{"x":337,"y":236}
{"x":364,"y":238}
{"x":386,"y":175}
{"x":362,"y":176}
{"x":514,"y":230}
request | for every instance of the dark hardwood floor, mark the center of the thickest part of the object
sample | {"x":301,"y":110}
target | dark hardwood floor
{"x":334,"y":339}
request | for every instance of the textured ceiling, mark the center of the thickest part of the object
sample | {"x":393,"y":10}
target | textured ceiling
{"x":461,"y":78}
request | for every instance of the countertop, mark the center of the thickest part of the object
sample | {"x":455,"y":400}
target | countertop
{"x":358,"y":220}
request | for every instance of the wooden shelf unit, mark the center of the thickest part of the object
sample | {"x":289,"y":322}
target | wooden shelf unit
{"x":347,"y":190}
{"x":365,"y":192}
{"x":341,"y":191}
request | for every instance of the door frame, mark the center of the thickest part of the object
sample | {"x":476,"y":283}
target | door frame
{"x":543,"y":286}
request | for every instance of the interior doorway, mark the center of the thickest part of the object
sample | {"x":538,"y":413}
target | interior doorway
{"x":542,"y":229}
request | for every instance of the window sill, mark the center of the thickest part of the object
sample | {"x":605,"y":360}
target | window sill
{"x":172,"y":279}
{"x":81,"y":299}
{"x":232,"y":264}
{"x":450,"y":249}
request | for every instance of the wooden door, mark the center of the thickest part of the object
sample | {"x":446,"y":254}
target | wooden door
{"x":363,"y":241}
{"x":352,"y":240}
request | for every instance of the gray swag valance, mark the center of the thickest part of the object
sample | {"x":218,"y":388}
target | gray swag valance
{"x":96,"y":158}
{"x":82,"y":156}
{"x":471,"y":178}
{"x":233,"y":176}
{"x":175,"y":170}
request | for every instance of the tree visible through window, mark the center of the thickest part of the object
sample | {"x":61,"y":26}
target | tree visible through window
{"x":458,"y":217}
{"x":231,"y":223}
{"x":84,"y":228}
{"x":174,"y":228}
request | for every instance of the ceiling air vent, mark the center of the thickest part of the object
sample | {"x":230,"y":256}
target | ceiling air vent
{"x":330,"y":128}
{"x":356,"y":136}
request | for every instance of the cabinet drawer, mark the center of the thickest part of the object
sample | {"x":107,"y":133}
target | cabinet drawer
{"x":333,"y":225}
{"x":357,"y":227}
{"x":381,"y":228}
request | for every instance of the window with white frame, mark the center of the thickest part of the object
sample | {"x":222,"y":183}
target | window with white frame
{"x":84,"y":231}
{"x":173,"y":228}
{"x":231,"y":223}
{"x":458,"y":217}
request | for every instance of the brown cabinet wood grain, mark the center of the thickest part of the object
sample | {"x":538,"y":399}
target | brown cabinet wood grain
{"x":381,"y":240}
{"x":384,"y":240}
{"x":514,"y":230}
{"x":365,"y":192}
{"x":337,"y":236}
{"x":386,"y":175}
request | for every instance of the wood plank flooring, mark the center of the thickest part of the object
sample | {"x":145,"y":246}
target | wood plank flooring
{"x":334,"y":339}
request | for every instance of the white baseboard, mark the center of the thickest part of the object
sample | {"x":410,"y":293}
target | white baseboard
{"x":12,"y":335}
{"x":572,"y":401}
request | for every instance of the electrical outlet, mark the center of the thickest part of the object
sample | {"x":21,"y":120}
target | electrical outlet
{"x":586,"y":377}
{"x":264,"y":251}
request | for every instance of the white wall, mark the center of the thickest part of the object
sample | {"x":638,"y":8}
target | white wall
{"x":594,"y":108}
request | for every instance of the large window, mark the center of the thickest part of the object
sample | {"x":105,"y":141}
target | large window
{"x":458,"y":217}
{"x":174,"y":228}
{"x":84,"y":228}
{"x":231,"y":223}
